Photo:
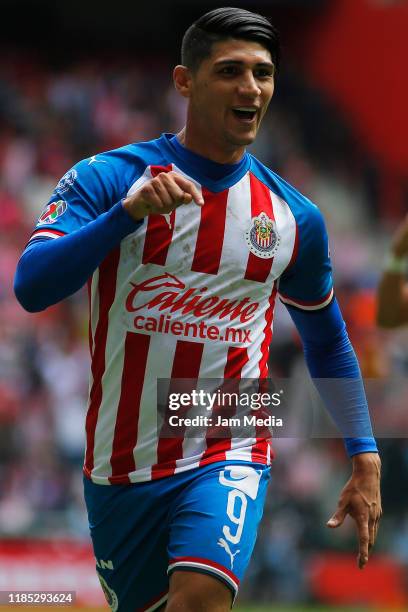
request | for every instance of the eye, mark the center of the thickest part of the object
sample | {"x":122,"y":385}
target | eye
{"x":228,"y":70}
{"x":263,"y":73}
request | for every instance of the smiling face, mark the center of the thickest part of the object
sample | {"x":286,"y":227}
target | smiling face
{"x":228,"y":96}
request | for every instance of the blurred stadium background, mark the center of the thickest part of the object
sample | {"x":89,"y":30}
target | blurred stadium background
{"x":81,"y":77}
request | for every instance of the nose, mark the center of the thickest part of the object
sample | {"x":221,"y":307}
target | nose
{"x":248,"y":85}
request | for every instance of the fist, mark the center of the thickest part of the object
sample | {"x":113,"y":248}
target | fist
{"x":161,"y":195}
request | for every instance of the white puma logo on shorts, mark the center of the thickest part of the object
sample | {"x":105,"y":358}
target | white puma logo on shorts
{"x":224,"y":544}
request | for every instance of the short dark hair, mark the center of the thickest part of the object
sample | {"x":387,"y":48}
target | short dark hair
{"x":223,"y":23}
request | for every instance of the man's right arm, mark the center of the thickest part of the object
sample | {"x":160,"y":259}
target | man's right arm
{"x":51,"y":270}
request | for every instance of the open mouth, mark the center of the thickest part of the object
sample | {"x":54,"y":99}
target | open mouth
{"x":245,"y":114}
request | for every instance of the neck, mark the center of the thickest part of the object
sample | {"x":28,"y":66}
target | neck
{"x":207,"y":147}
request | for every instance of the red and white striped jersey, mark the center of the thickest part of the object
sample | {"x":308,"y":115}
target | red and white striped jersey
{"x":186,"y":295}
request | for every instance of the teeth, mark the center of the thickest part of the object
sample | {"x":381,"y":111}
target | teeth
{"x":246,"y":109}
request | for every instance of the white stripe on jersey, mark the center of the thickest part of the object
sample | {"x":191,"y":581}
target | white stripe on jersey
{"x":181,"y":250}
{"x":304,"y":306}
{"x":238,"y":219}
{"x":46,"y":234}
{"x":159,"y":365}
{"x":93,"y":318}
{"x":94,"y":310}
{"x":195,"y":447}
{"x":146,"y":176}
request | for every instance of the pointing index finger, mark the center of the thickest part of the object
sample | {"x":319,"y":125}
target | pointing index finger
{"x":189,"y":187}
{"x":364,"y":539}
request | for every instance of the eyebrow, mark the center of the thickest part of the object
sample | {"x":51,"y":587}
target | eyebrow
{"x":240,"y":63}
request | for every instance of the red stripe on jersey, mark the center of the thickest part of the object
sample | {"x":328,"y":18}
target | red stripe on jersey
{"x":263,"y":364}
{"x":38,"y":232}
{"x":210,"y":236}
{"x":159,"y":230}
{"x":236,"y":359}
{"x":127,"y":420}
{"x":186,"y":364}
{"x":107,"y":289}
{"x":306,"y":302}
{"x":263,"y":434}
{"x":261,"y":450}
{"x":258,"y":268}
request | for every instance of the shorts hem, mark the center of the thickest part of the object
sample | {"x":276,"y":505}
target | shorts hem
{"x":205,"y":566}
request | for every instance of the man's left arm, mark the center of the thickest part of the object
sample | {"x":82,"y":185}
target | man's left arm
{"x":329,"y":355}
{"x":306,"y":289}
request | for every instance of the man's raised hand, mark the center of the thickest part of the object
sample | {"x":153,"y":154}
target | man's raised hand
{"x":161,"y":195}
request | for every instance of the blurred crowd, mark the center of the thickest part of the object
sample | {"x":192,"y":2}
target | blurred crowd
{"x":49,"y":120}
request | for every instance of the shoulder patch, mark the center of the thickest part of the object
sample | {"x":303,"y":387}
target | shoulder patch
{"x":51,"y":212}
{"x":67,"y":181}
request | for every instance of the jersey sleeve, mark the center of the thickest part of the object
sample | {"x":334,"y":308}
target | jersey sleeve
{"x":307,"y":282}
{"x":86,"y":191}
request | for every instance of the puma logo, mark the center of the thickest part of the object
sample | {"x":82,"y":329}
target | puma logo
{"x":168,"y":219}
{"x":224,"y":544}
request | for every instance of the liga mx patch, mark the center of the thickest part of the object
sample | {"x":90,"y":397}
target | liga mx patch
{"x":262,"y":237}
{"x":52,"y":212}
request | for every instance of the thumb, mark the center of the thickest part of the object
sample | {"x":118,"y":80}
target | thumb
{"x":337,"y":519}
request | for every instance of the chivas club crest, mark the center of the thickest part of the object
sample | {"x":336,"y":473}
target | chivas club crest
{"x":262,"y":238}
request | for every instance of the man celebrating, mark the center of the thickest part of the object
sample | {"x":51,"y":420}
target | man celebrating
{"x":185,"y":242}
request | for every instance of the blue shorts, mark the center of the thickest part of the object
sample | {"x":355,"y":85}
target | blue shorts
{"x":202,"y":520}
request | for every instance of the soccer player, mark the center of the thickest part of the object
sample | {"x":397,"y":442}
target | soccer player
{"x":185,"y":242}
{"x":393,"y":289}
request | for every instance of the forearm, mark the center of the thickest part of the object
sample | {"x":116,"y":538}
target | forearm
{"x":51,"y":270}
{"x":337,"y":377}
{"x":335,"y":372}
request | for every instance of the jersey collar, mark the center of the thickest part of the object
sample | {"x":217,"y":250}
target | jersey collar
{"x":216,"y":177}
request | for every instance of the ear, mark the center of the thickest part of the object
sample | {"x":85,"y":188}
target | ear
{"x":182,"y":80}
